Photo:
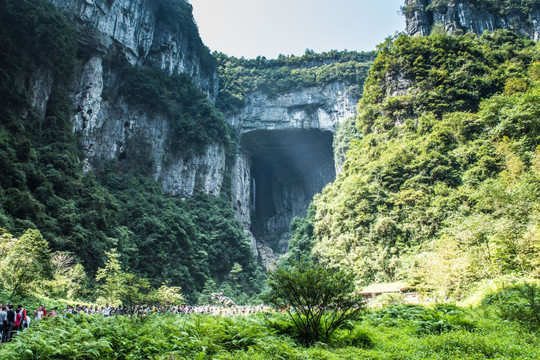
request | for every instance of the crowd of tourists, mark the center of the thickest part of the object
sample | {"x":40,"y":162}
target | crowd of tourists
{"x":15,"y":320}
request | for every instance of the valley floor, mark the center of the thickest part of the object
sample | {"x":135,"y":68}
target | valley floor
{"x":395,"y":332}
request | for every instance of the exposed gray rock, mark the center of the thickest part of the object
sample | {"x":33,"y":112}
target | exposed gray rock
{"x":309,"y":108}
{"x":39,"y":90}
{"x":241,"y":187}
{"x":286,"y":158}
{"x":113,"y":129}
{"x":204,"y":172}
{"x":464,"y":16}
{"x":128,"y":30}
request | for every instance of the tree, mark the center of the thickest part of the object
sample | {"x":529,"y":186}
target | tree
{"x":318,"y":300}
{"x":113,"y":278}
{"x":210,"y":287}
{"x":168,"y":294}
{"x":25,"y":261}
{"x":69,"y":278}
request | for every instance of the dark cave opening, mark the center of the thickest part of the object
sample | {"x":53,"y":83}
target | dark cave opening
{"x":288,"y":168}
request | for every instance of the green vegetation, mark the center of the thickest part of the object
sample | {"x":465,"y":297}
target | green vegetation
{"x":273,"y":77}
{"x":397,"y":332}
{"x":82,"y":216}
{"x":25,"y":261}
{"x":178,"y":16}
{"x":442,"y":188}
{"x":319,"y":301}
{"x":194,"y":122}
{"x":497,"y":7}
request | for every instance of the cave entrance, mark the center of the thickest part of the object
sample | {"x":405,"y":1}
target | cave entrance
{"x":288,"y":167}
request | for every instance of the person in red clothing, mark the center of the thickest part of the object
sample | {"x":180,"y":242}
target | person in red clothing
{"x":16,"y":324}
{"x":44,"y":310}
{"x":24,"y":319}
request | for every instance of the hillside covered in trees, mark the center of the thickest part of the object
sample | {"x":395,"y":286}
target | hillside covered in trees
{"x":85,"y":215}
{"x":442,"y":189}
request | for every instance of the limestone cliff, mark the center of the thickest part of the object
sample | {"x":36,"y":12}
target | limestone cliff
{"x":132,"y":30}
{"x":112,"y":35}
{"x":285,"y":155}
{"x":307,"y":108}
{"x":285,"y":158}
{"x":471,"y":16}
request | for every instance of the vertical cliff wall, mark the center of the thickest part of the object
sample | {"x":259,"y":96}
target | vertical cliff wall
{"x":285,"y":136}
{"x":472,"y":15}
{"x":285,"y":158}
{"x":114,"y":34}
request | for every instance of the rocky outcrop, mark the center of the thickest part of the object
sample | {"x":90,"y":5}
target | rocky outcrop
{"x":285,"y":159}
{"x":39,"y":89}
{"x":468,"y":16}
{"x":285,"y":154}
{"x":308,"y":108}
{"x":129,"y":30}
{"x":113,"y":34}
{"x":114,"y":129}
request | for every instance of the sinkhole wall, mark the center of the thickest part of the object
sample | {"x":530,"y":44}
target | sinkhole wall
{"x":285,"y":158}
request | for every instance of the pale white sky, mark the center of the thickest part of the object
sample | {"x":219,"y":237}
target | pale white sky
{"x":271,"y":27}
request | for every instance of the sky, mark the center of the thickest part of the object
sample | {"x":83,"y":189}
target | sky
{"x":268,"y":28}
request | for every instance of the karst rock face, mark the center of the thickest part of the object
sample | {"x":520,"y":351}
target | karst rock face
{"x":468,"y":16}
{"x":285,"y":158}
{"x":113,"y":34}
{"x":285,"y":154}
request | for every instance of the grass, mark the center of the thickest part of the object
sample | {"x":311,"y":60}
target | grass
{"x":391,"y":333}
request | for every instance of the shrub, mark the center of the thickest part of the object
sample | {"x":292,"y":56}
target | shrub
{"x":519,"y":302}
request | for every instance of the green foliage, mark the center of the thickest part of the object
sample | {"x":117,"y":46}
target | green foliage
{"x":42,"y":185}
{"x":179,"y":241}
{"x":440,"y":190}
{"x":69,"y":278}
{"x":205,"y":298}
{"x":356,"y":337}
{"x":518,"y":302}
{"x":30,"y":28}
{"x":26,"y":261}
{"x":169,"y":294}
{"x":194,"y":122}
{"x":301,"y":243}
{"x":346,"y":133}
{"x":441,"y":74}
{"x":522,"y":8}
{"x":272,"y":77}
{"x":318,"y":300}
{"x":254,"y":337}
{"x":178,"y":16}
{"x":113,"y":278}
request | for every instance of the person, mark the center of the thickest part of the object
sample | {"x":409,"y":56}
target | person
{"x":10,"y":321}
{"x":18,"y":322}
{"x":38,"y":314}
{"x":44,"y":310}
{"x":24,"y":319}
{"x":3,"y":323}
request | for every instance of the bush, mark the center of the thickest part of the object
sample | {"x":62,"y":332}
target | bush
{"x":318,"y":300}
{"x":519,"y":302}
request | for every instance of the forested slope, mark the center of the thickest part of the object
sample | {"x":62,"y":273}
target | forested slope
{"x":442,"y":190}
{"x":184,"y":242}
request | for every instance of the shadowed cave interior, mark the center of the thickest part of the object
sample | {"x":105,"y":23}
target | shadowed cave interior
{"x":288,"y":167}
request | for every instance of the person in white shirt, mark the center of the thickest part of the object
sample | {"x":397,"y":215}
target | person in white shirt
{"x":38,"y":314}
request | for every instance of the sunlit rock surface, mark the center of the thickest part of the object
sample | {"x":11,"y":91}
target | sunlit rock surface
{"x":111,"y":35}
{"x":461,"y":15}
{"x":285,"y":158}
